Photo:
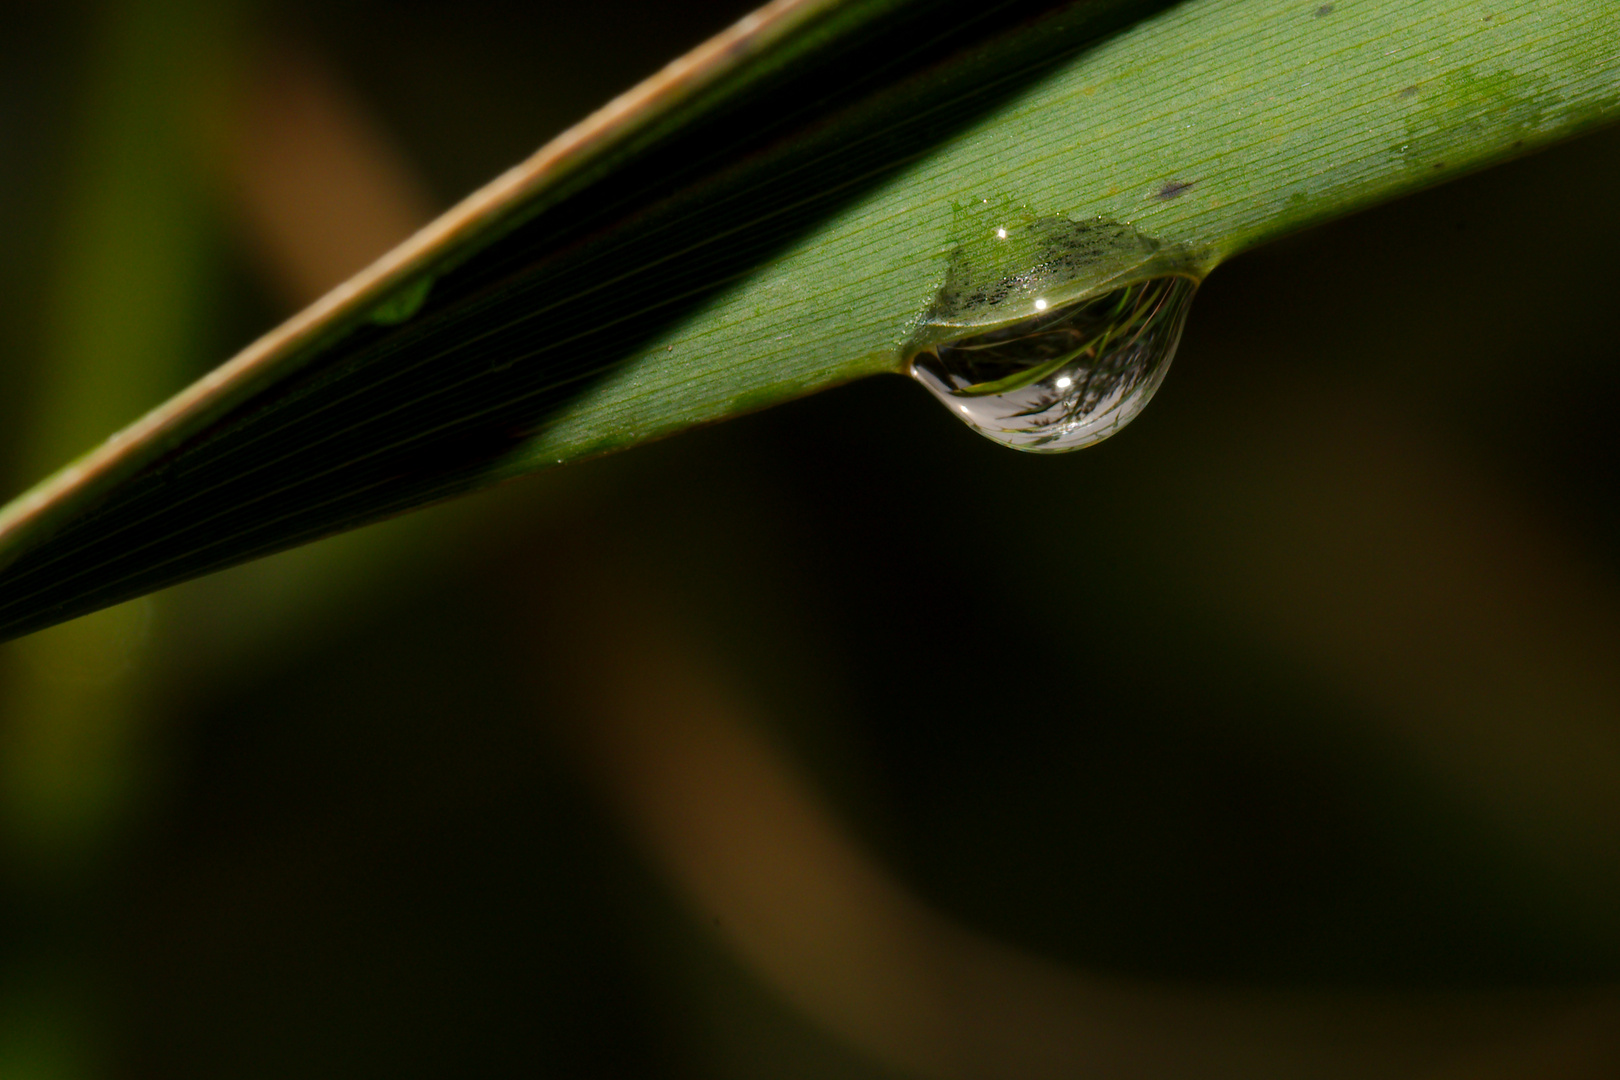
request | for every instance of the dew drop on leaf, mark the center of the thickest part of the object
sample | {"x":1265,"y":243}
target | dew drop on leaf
{"x":403,"y":305}
{"x":1066,"y":377}
{"x":1060,"y":345}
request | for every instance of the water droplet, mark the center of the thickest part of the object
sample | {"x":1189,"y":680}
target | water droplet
{"x":405,"y":302}
{"x":1063,"y":349}
{"x":1067,"y":377}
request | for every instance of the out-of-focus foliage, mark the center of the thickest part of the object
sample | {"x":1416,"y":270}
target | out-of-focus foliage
{"x":834,"y":741}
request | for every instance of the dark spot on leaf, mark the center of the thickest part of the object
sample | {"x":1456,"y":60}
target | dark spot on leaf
{"x":1325,"y":9}
{"x":1174,"y":188}
{"x":1408,"y":92}
{"x":1439,"y":164}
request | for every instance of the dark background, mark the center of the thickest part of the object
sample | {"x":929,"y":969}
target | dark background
{"x":1307,"y":684}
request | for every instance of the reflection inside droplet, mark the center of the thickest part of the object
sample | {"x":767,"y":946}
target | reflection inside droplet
{"x":1069,"y":375}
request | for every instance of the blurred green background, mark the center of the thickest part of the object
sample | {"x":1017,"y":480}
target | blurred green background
{"x":834,"y":740}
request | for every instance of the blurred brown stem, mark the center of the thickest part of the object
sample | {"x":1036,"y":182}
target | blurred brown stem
{"x":675,"y":753}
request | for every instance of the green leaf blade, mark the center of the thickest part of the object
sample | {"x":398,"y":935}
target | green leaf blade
{"x":1213,"y":125}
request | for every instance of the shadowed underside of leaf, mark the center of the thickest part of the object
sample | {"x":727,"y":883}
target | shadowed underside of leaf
{"x":775,"y":224}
